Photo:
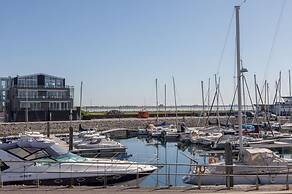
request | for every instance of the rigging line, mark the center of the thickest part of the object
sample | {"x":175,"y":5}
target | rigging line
{"x":225,"y":43}
{"x":274,"y":38}
{"x":249,"y":95}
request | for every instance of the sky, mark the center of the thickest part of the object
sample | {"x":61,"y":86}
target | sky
{"x":119,"y":47}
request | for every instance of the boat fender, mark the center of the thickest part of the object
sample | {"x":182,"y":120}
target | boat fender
{"x":200,"y":169}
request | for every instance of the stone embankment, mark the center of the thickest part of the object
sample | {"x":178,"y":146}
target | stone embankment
{"x":100,"y":124}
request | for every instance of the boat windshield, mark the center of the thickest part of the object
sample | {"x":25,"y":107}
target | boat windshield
{"x":55,"y":150}
{"x":62,"y":155}
{"x":69,"y":157}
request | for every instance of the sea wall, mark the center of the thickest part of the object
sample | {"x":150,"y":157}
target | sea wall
{"x":100,"y":124}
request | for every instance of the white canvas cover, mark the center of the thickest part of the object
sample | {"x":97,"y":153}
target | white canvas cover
{"x":262,"y":157}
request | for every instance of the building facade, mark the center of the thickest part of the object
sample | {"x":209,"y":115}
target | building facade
{"x":280,"y":108}
{"x":38,"y":97}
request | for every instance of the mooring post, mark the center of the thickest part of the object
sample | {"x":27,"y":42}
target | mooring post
{"x":48,"y":129}
{"x":70,"y":138}
{"x":199,"y":181}
{"x":228,"y":163}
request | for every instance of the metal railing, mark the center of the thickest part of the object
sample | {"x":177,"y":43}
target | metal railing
{"x":111,"y":172}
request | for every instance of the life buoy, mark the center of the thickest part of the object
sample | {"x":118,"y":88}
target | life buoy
{"x":211,"y":160}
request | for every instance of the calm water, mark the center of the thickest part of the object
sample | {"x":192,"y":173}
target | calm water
{"x":142,"y":150}
{"x":169,"y":153}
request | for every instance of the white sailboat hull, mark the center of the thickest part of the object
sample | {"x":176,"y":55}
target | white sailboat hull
{"x":213,"y":179}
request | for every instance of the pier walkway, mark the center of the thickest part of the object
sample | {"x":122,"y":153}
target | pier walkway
{"x":269,"y":189}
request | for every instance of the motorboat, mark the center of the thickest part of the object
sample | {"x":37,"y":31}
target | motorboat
{"x":205,"y":138}
{"x":259,"y":165}
{"x":31,"y":160}
{"x":99,"y":147}
{"x":286,"y":127}
{"x":92,"y":144}
{"x":142,"y":132}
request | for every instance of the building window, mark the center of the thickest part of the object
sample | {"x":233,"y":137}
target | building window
{"x":29,"y":81}
{"x":30,"y":94}
{"x":52,"y":82}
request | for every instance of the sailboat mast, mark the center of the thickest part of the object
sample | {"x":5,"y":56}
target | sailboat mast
{"x":81,"y":87}
{"x":175,"y":104}
{"x":156,"y":92}
{"x":203,"y":100}
{"x":208,"y":93}
{"x":256,"y":99}
{"x":238,"y":80}
{"x":165,"y":113}
{"x":289,"y":83}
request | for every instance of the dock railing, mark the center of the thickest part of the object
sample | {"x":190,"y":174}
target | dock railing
{"x":67,"y":174}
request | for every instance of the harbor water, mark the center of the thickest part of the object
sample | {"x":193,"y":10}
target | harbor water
{"x":147,"y":150}
{"x":163,"y":154}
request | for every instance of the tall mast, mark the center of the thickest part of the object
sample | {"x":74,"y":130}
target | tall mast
{"x":279,"y":84}
{"x":165,"y":100}
{"x":174,"y":93}
{"x":217,"y":99}
{"x":81,"y":85}
{"x":238,"y":80}
{"x":268,"y":98}
{"x":156,"y":92}
{"x":208,"y":93}
{"x":290,"y":94}
{"x":289,"y":83}
{"x":256,"y":98}
{"x":203,"y":100}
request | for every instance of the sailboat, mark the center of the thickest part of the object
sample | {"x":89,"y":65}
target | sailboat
{"x":255,"y":165}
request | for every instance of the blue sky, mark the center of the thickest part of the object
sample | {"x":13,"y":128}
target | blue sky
{"x":118,"y":47}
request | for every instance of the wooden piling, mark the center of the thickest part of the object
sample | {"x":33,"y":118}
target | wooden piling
{"x":228,"y":161}
{"x":70,"y":138}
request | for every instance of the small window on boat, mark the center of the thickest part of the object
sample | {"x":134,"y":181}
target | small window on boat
{"x":21,"y":153}
{"x":37,"y":155}
{"x":31,"y":149}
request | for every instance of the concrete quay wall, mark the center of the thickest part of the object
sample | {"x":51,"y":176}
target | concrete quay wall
{"x":101,"y":124}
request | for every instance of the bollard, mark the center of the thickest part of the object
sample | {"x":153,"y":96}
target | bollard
{"x":229,"y":162}
{"x":70,"y":138}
